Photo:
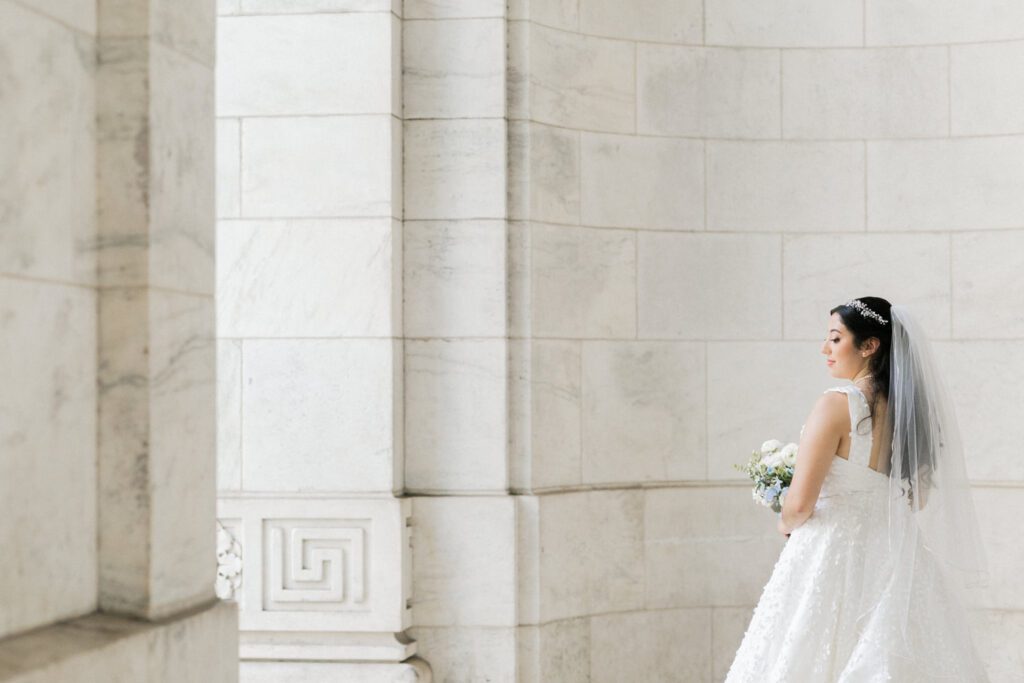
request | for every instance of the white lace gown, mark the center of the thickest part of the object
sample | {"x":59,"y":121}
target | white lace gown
{"x":805,"y":628}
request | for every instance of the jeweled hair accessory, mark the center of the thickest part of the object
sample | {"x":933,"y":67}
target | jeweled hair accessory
{"x":865,"y":311}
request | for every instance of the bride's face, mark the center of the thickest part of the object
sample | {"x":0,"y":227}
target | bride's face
{"x":842,"y":357}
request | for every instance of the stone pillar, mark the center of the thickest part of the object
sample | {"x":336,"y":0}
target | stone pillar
{"x":315,"y":539}
{"x":456,"y":349}
{"x":156,"y":315}
{"x":106,"y":300}
{"x":47,"y":316}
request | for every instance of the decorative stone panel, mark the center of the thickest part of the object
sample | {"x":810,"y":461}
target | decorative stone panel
{"x":324,"y":578}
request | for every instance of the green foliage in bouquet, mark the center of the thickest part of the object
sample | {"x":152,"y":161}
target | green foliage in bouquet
{"x":771,"y":470}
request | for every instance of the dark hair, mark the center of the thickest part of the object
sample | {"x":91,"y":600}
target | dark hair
{"x":863,"y":327}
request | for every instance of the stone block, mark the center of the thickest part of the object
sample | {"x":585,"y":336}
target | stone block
{"x":945,"y":184}
{"x":456,"y":420}
{"x":320,"y":415}
{"x":790,"y":186}
{"x":304,"y":64}
{"x":709,"y":286}
{"x":309,"y":278}
{"x":708,"y":91}
{"x":872,"y":93}
{"x":279,"y":153}
{"x":643,"y":411}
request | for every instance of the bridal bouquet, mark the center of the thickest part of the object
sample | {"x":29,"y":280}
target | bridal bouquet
{"x":771,"y":470}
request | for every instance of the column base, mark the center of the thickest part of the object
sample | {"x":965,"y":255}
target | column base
{"x":414,"y":670}
{"x":197,"y":646}
{"x":329,"y":647}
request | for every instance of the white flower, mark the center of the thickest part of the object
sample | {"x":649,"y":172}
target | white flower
{"x":771,"y":445}
{"x":772,"y":459}
{"x":788,"y":454}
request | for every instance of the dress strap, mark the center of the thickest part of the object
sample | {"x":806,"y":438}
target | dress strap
{"x":860,"y":428}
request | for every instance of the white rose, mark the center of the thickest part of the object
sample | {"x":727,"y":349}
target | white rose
{"x":788,"y":454}
{"x":771,"y":445}
{"x":772,"y":459}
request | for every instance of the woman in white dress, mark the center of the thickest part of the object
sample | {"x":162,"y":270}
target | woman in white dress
{"x":880,"y":523}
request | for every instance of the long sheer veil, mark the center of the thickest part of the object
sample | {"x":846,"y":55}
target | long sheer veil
{"x":930,"y":508}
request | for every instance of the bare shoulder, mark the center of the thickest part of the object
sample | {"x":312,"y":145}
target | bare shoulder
{"x":830,"y":411}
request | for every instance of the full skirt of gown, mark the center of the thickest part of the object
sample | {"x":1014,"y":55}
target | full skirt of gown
{"x":830,"y":611}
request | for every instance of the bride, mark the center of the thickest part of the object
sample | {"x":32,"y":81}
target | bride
{"x":881,"y":529}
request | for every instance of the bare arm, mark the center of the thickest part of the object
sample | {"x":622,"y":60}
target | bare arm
{"x":828,"y":420}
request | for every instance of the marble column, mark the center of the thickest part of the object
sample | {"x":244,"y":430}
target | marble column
{"x":107,"y":429}
{"x":47,"y":316}
{"x":156,"y":314}
{"x":456,"y":349}
{"x":315,"y":536}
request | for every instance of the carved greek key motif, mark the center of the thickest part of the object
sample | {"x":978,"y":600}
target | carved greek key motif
{"x":314,"y":564}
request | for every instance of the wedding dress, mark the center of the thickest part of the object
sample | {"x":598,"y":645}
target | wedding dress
{"x":829,"y":611}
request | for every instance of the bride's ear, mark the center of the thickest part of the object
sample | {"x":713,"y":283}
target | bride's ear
{"x":870,"y":346}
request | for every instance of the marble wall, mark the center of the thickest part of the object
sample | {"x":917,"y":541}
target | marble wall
{"x":693,"y":185}
{"x":107,"y":414}
{"x":48,"y":319}
{"x":544,"y":271}
{"x":309,"y":248}
{"x":155,"y":260}
{"x":456,"y":471}
{"x":311,"y":442}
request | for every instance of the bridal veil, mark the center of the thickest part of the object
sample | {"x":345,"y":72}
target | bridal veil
{"x":930,"y":508}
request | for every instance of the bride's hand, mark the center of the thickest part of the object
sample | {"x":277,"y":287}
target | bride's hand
{"x":782,"y":529}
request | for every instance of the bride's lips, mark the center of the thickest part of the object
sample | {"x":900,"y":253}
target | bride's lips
{"x":830,"y":362}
